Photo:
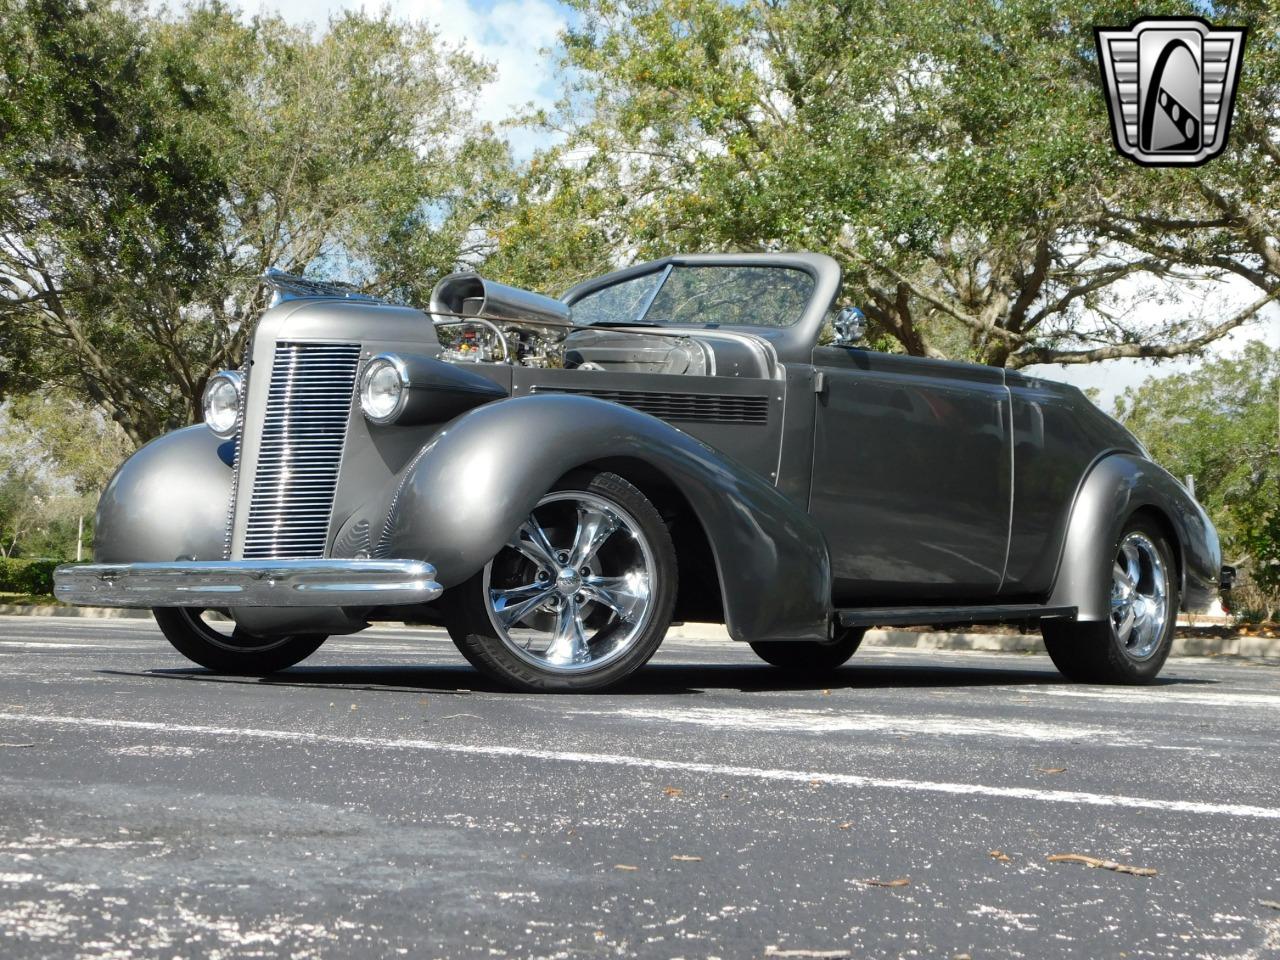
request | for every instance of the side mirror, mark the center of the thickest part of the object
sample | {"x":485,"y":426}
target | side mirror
{"x":850,"y":326}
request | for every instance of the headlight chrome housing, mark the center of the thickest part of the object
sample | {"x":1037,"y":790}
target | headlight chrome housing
{"x":222,"y":402}
{"x":384,"y":388}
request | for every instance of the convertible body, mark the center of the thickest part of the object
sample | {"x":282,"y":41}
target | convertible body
{"x":807,"y":487}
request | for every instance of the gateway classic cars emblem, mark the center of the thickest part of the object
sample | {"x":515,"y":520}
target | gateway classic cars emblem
{"x":1170,"y":87}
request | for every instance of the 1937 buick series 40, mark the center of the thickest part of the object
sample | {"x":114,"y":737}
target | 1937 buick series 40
{"x":557,"y":481}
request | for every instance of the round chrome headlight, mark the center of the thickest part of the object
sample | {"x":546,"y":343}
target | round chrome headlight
{"x":384,"y":386}
{"x":222,"y":402}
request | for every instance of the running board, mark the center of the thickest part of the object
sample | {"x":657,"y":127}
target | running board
{"x":935,"y":616}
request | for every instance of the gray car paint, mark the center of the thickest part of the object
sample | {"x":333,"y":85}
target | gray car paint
{"x":459,"y":504}
{"x":914,"y":499}
{"x":1115,"y":488}
{"x":167,"y":502}
{"x":450,"y":490}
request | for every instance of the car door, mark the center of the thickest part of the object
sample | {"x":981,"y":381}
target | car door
{"x":912,"y":477}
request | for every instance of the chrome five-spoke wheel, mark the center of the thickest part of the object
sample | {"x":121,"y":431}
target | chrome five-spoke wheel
{"x":573,"y":588}
{"x":1131,"y":644}
{"x":580,"y":595}
{"x":1139,"y":596}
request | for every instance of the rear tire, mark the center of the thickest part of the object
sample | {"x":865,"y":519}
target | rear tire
{"x":580,"y":598}
{"x":811,"y":657}
{"x":236,"y":652}
{"x":1133,"y":643}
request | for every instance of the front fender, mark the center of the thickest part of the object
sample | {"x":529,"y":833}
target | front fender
{"x":168,"y":501}
{"x":475,"y":482}
{"x":1117,"y":486}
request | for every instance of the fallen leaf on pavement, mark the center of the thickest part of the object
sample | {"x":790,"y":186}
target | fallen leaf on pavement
{"x":772,"y":951}
{"x":624,"y":866}
{"x":900,"y":882}
{"x":1103,"y":864}
{"x":686,"y":858}
{"x":847,"y":825}
{"x":672,"y":791}
{"x":1051,"y":769}
{"x":1273,"y":904}
{"x":1000,"y":855}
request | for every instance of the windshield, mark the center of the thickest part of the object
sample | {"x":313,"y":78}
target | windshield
{"x":740,"y":296}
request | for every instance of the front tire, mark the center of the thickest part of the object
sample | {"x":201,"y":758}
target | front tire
{"x":236,"y":652}
{"x":579,"y":598}
{"x":1132,"y":644}
{"x":810,"y":657}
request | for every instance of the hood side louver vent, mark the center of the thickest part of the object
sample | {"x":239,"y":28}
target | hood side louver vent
{"x":685,"y":407}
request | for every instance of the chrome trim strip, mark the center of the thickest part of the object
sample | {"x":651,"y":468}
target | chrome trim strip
{"x":653,"y":294}
{"x":238,"y":437}
{"x":248,"y":583}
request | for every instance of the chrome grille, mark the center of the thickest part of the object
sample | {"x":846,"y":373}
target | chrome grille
{"x":303,"y":433}
{"x":687,"y":407}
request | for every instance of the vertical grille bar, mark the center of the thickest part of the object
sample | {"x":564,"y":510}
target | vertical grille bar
{"x":303,"y":434}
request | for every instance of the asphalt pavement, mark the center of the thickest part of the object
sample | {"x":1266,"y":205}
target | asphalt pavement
{"x":383,"y":800}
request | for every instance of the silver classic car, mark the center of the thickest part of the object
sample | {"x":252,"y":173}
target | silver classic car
{"x":557,"y":481}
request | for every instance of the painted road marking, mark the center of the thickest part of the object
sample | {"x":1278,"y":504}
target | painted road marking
{"x":682,"y":766}
{"x":847,"y":721}
{"x":1158,"y":696}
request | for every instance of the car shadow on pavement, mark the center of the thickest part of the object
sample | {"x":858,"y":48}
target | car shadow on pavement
{"x":655,"y":679}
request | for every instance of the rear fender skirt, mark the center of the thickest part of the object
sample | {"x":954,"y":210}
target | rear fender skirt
{"x":1116,"y":487}
{"x":476,"y":481}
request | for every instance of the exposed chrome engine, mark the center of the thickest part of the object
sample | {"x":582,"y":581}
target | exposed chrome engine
{"x":483,"y":321}
{"x":480,"y":321}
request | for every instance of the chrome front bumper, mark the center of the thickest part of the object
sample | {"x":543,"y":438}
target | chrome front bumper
{"x":247,"y":583}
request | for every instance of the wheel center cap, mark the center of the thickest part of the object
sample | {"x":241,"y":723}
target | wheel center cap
{"x":568,"y":581}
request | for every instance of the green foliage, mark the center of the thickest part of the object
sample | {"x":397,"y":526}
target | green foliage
{"x":56,"y":455}
{"x":1221,"y":425}
{"x":152,"y":166}
{"x":956,"y":158}
{"x":27,"y":576}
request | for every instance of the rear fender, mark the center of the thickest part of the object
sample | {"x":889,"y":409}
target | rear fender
{"x":1116,"y":487}
{"x":475,"y":482}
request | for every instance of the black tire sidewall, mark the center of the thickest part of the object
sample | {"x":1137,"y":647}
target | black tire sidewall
{"x":175,"y":623}
{"x":805,"y":656}
{"x":476,"y":638}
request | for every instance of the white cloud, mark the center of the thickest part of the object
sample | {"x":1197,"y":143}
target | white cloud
{"x":511,"y":35}
{"x":1112,"y":377}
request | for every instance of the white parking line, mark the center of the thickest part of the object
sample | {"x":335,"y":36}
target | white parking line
{"x":647,"y":763}
{"x":1157,"y":695}
{"x":41,"y":644}
{"x":749,"y":719}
